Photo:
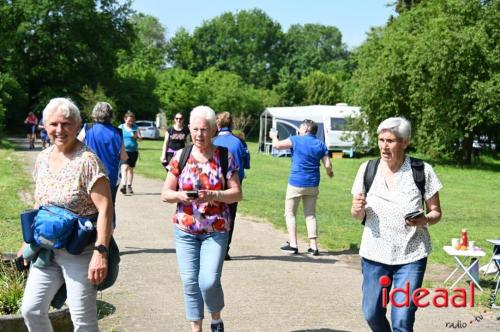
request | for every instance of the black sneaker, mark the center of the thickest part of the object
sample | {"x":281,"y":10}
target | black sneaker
{"x":290,"y":249}
{"x":218,"y":327}
{"x":314,"y":252}
{"x":129,"y":190}
{"x":123,"y":190}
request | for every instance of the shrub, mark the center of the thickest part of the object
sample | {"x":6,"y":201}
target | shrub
{"x":12,"y":284}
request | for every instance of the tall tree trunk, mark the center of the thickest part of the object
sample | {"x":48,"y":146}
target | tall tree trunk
{"x":466,"y":149}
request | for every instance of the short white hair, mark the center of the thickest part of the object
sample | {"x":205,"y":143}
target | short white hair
{"x":67,"y":107}
{"x":203,"y":112}
{"x":399,"y":126}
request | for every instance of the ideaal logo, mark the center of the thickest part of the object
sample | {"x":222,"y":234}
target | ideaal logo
{"x":422,"y":297}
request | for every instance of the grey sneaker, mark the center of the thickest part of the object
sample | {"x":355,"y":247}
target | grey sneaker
{"x":219,"y":327}
{"x":129,"y":190}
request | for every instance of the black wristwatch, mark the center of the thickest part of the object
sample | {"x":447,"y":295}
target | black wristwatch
{"x":102,"y":249}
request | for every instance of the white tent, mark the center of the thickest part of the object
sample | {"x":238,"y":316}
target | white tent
{"x":331,"y":120}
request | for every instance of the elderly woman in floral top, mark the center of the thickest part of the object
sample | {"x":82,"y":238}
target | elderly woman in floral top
{"x":202,"y":223}
{"x":70,"y":175}
{"x":394,"y":247}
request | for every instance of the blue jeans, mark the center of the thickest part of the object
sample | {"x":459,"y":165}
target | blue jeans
{"x":402,"y":318}
{"x":200,"y":259}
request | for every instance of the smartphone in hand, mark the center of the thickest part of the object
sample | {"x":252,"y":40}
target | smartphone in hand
{"x":192,"y":193}
{"x":413,"y":215}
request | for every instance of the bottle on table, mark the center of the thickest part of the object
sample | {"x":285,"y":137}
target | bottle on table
{"x":464,"y":241}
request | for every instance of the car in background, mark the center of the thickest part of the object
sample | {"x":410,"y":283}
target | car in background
{"x":148,"y":129}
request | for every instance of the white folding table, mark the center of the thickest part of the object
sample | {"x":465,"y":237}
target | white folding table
{"x":496,"y":254}
{"x":494,"y":259}
{"x":461,"y":257}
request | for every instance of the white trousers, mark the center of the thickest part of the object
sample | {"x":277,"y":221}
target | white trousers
{"x":43,"y":284}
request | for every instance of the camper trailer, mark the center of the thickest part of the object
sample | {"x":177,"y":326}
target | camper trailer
{"x":331,"y":122}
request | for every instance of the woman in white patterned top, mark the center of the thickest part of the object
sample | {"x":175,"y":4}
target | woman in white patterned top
{"x":393,"y":247}
{"x":70,"y":175}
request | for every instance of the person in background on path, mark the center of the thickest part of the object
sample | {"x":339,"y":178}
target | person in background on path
{"x":31,"y":122}
{"x":70,"y":175}
{"x":394,"y":247}
{"x":303,"y":182}
{"x":131,"y":135}
{"x":107,"y":142}
{"x":43,"y":134}
{"x":176,"y":138}
{"x":202,"y":218}
{"x":240,"y":153}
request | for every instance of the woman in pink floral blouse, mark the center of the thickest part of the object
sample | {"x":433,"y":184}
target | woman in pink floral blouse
{"x":201,"y":223}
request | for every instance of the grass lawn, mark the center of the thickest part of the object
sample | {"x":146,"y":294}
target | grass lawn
{"x":13,"y":180}
{"x":469,"y":199}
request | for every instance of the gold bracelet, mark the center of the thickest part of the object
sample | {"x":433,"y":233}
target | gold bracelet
{"x":219,"y":195}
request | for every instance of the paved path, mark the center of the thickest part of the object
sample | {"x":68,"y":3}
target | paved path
{"x":265,"y":290}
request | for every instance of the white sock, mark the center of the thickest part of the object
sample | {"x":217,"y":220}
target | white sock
{"x":216,"y":321}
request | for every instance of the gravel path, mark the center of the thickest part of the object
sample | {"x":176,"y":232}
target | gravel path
{"x":265,"y":289}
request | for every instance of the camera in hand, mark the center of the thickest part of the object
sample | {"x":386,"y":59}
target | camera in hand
{"x":192,"y":193}
{"x":413,"y":215}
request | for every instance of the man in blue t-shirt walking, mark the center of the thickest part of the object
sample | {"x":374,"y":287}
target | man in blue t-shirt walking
{"x":303,"y":182}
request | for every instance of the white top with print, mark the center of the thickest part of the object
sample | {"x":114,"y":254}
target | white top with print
{"x":69,"y":187}
{"x":386,"y":237}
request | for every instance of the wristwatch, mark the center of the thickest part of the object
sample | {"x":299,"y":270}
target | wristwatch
{"x":101,"y":249}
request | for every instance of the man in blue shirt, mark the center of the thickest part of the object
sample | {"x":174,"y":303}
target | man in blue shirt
{"x":303,"y":182}
{"x":241,"y":155}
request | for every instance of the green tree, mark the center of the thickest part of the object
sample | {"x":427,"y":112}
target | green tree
{"x":181,"y":50}
{"x":247,"y":43}
{"x":313,"y":47}
{"x":436,"y":64}
{"x":139,"y":68}
{"x":57,"y":47}
{"x":90,"y":98}
{"x":320,"y":89}
{"x":175,"y":92}
{"x":227,"y":92}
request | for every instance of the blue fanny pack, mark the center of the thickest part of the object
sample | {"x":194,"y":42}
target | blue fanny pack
{"x":55,"y":227}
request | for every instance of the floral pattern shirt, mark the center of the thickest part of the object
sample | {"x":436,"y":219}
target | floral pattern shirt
{"x":69,"y":187}
{"x":207,"y":217}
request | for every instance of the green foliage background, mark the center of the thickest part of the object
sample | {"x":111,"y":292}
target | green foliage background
{"x":436,"y":62}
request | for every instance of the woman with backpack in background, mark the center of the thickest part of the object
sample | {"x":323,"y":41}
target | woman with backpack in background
{"x":202,"y":193}
{"x":176,"y":138}
{"x":396,"y":240}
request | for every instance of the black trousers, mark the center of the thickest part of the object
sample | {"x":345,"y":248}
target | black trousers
{"x":232,"y":215}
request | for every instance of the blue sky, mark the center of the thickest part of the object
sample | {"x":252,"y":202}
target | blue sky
{"x":352,"y":17}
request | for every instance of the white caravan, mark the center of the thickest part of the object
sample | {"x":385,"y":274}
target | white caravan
{"x":331,"y":122}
